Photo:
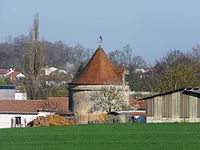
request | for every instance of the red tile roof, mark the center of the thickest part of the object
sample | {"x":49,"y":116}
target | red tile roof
{"x":13,"y":74}
{"x":32,"y":106}
{"x":99,"y":70}
{"x":4,"y":71}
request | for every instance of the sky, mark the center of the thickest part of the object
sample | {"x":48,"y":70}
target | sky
{"x":150,"y":27}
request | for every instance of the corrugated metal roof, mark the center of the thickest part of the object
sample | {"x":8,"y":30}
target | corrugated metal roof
{"x":184,"y":90}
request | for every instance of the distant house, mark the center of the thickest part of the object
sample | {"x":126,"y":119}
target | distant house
{"x":17,"y":113}
{"x":50,"y":70}
{"x":182,"y":105}
{"x":55,"y":76}
{"x":14,"y":76}
{"x":144,"y":72}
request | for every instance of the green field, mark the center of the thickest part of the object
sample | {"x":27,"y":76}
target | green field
{"x":103,"y":137}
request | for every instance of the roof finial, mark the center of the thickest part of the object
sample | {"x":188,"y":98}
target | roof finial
{"x":100,"y":41}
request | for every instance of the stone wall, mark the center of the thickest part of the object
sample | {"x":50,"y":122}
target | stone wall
{"x":81,"y":104}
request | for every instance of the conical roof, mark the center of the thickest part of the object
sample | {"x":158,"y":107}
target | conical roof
{"x":98,"y":71}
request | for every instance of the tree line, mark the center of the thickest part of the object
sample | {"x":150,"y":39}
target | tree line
{"x":175,"y":70}
{"x":57,"y":54}
{"x":28,"y":53}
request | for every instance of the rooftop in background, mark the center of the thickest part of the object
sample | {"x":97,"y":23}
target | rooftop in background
{"x":100,"y":70}
{"x":3,"y":71}
{"x":11,"y":73}
{"x":15,"y":74}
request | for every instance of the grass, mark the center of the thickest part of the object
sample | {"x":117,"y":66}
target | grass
{"x":103,"y":137}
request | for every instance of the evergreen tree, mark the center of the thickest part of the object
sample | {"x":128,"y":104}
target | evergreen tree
{"x":80,"y":70}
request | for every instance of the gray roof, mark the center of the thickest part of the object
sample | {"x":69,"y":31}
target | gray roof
{"x":190,"y":91}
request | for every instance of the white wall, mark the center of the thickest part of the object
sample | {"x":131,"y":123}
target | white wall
{"x":20,"y":96}
{"x":170,"y":120}
{"x":5,"y":119}
{"x":7,"y":94}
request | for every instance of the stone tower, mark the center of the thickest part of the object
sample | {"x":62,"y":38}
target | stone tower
{"x":98,"y":72}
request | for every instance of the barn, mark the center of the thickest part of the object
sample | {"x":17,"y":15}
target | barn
{"x":182,"y":105}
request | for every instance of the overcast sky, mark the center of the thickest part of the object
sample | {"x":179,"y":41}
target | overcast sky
{"x":150,"y":27}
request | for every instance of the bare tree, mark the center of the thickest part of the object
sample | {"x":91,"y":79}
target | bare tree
{"x":139,"y":62}
{"x":128,"y":54}
{"x":195,"y":53}
{"x":175,"y":70}
{"x":34,"y":60}
{"x":122,"y":57}
{"x":117,"y":57}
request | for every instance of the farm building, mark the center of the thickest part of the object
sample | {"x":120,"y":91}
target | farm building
{"x":126,"y":116}
{"x":98,"y":73}
{"x":182,"y":105}
{"x":17,"y":113}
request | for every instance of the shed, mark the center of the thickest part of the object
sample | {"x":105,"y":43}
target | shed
{"x":182,"y":105}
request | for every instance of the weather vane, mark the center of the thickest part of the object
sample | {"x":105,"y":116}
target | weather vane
{"x":100,"y":41}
